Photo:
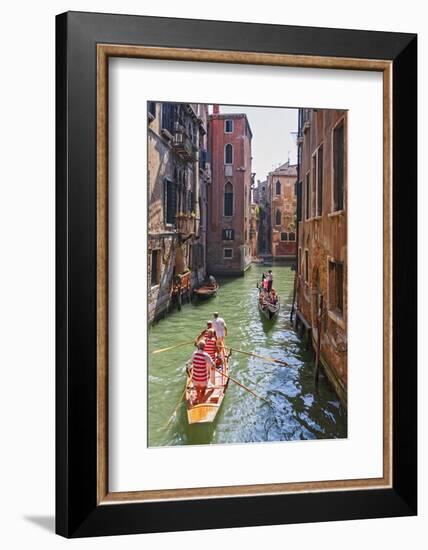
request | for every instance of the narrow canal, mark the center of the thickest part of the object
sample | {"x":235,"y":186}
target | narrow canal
{"x":297,"y":411}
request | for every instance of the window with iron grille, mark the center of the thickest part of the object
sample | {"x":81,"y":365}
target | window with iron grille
{"x":284,"y":237}
{"x":228,"y":253}
{"x":292,"y":236}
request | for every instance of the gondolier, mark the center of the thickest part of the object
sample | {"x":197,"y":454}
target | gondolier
{"x":220,"y":328}
{"x":269,"y":279}
{"x":212,"y":350}
{"x":204,"y":333}
{"x":201,"y":367}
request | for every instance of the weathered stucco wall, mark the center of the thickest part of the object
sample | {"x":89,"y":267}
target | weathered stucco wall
{"x":324,"y":238}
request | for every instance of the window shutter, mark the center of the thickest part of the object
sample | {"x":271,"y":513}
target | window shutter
{"x":298,"y":190}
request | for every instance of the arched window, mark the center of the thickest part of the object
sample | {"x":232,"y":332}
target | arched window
{"x":228,"y":153}
{"x":278,"y":187}
{"x":278,"y":217}
{"x":228,"y":199}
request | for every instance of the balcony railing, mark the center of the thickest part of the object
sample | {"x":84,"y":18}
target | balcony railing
{"x":182,"y":144}
{"x":185,"y":224}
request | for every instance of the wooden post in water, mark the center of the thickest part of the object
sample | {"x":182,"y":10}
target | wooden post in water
{"x":318,"y":352}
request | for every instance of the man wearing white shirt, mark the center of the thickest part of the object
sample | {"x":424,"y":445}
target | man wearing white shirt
{"x":220,"y":328}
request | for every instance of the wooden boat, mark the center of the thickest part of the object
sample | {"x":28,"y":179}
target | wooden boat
{"x":205,"y":413}
{"x":267,"y":309}
{"x":206,"y":291}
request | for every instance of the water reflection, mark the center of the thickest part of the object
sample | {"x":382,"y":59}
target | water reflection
{"x":295,"y":412}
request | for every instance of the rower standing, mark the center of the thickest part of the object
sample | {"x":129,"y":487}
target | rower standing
{"x":204,"y":333}
{"x":269,"y":279}
{"x":201,"y":366}
{"x":220,"y":328}
{"x":212,"y":350}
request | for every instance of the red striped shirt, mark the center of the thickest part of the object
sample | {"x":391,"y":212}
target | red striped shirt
{"x":199,"y":370}
{"x":211,"y":347}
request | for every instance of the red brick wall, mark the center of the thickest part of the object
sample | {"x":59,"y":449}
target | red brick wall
{"x":241,"y":181}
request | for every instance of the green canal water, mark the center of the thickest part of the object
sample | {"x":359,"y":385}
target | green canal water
{"x":297,"y":411}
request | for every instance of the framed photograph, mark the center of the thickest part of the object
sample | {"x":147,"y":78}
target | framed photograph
{"x":236,"y":274}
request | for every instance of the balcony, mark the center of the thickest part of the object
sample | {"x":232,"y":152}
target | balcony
{"x":182,"y":144}
{"x":185,"y":224}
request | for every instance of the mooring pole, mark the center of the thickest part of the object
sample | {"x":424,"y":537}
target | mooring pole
{"x":318,"y":353}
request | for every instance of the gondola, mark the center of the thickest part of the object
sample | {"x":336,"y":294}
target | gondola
{"x":206,"y":412}
{"x":206,"y":291}
{"x":270,"y":311}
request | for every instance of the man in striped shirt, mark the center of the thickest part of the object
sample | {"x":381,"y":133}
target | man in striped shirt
{"x":211,"y":348}
{"x":201,"y":367}
{"x":204,"y":333}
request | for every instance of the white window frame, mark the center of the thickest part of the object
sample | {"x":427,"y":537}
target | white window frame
{"x":224,"y":253}
{"x":225,"y":125}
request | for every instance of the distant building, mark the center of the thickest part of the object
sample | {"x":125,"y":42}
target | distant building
{"x":178,"y":175}
{"x":322,"y":302}
{"x":264,"y":236}
{"x":254,"y":230}
{"x":229,"y":201}
{"x":281,"y":183}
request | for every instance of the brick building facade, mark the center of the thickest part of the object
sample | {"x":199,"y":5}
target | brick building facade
{"x":264,"y":237}
{"x":229,"y":196}
{"x":281,"y":184}
{"x":322,"y":238}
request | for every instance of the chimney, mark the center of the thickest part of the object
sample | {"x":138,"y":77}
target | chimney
{"x":216,"y":109}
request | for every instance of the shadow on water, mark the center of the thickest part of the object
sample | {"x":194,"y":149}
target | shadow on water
{"x":297,"y":410}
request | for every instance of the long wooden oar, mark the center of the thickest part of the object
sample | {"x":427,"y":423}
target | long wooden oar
{"x":176,"y":408}
{"x":172,"y":347}
{"x":242,"y":386}
{"x":265,"y":357}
